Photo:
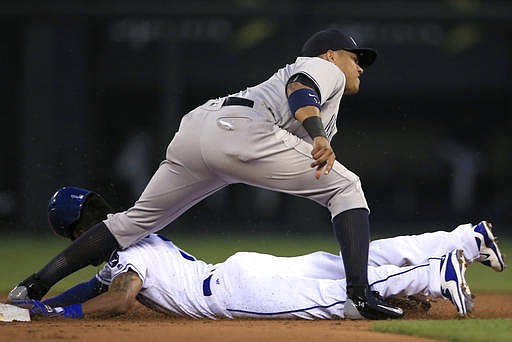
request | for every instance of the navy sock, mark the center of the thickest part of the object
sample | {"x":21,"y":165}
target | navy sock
{"x":352,"y":230}
{"x":93,"y":247}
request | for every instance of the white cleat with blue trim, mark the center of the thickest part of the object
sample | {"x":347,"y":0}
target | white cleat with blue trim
{"x":453,"y":283}
{"x":490,"y":254}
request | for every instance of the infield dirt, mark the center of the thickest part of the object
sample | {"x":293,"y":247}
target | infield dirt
{"x":145,"y":325}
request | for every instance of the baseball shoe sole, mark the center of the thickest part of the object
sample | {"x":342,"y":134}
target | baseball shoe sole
{"x":453,"y":283}
{"x":490,"y":254}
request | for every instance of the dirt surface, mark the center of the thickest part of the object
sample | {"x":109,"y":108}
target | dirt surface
{"x":145,"y":325}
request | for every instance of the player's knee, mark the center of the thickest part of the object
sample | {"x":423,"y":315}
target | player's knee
{"x":349,"y":195}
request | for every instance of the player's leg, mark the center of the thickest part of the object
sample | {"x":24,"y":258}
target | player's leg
{"x":477,"y":242}
{"x":318,"y":265}
{"x":253,"y":285}
{"x":91,"y":248}
{"x":391,"y":280}
{"x":262,"y":286}
{"x":402,"y":250}
{"x":173,"y":189}
{"x":181,"y":181}
{"x":440,"y":277}
{"x":352,"y":231}
{"x":416,"y":249}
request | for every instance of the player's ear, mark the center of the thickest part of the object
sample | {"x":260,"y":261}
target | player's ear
{"x":331,"y":55}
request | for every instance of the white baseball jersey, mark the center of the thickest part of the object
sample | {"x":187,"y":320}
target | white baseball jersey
{"x":172,"y":278}
{"x":255,"y":285}
{"x":271,"y":94}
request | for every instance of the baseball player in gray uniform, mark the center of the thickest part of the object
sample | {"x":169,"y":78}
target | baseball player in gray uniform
{"x":165,"y":278}
{"x":275,"y":135}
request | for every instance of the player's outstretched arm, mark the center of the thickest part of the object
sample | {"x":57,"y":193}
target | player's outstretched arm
{"x":118,"y":299}
{"x":78,"y":294}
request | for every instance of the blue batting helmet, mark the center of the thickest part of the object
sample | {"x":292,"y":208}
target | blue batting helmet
{"x":65,"y":208}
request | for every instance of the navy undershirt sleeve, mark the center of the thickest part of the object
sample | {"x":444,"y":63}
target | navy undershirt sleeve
{"x":78,"y":294}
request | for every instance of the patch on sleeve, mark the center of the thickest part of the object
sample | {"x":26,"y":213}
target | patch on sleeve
{"x":114,"y":260}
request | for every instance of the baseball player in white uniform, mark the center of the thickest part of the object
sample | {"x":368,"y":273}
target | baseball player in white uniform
{"x":165,"y":278}
{"x":275,"y":135}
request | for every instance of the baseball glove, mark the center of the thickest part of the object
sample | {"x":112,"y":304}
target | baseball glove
{"x":415,"y":303}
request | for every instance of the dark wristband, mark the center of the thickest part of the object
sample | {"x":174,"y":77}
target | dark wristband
{"x":314,"y":126}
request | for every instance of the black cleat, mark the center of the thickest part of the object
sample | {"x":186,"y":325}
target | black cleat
{"x":372,"y":307}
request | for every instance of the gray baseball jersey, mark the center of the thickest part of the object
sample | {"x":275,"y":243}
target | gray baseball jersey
{"x":329,"y":80}
{"x":252,"y":138}
{"x":255,"y":285}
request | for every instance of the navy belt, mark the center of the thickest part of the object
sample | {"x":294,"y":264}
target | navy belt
{"x":238,"y":101}
{"x":207,"y":291}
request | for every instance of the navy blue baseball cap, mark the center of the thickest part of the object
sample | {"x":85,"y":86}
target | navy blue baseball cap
{"x":334,"y":39}
{"x":65,"y":207}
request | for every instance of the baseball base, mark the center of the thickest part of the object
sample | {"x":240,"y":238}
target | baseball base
{"x":9,"y":313}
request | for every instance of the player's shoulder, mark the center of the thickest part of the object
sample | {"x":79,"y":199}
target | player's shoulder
{"x":153,"y":238}
{"x":139,"y":254}
{"x":152,"y":241}
{"x":148,"y":244}
{"x":316,"y":62}
{"x":317,"y":67}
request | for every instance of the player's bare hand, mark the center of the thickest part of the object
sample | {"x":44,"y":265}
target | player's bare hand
{"x":323,"y":155}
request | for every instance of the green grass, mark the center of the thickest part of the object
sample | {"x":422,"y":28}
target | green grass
{"x":451,"y":330}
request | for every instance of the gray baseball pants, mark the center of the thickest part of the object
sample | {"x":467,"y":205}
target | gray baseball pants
{"x":220,"y":145}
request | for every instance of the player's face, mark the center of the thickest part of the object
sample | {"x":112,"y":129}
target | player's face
{"x":347,"y":62}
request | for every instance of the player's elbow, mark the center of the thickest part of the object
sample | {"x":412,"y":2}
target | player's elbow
{"x":123,"y":292}
{"x":122,"y":303}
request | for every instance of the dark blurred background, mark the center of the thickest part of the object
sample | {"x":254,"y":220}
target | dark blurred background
{"x":93,"y":91}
